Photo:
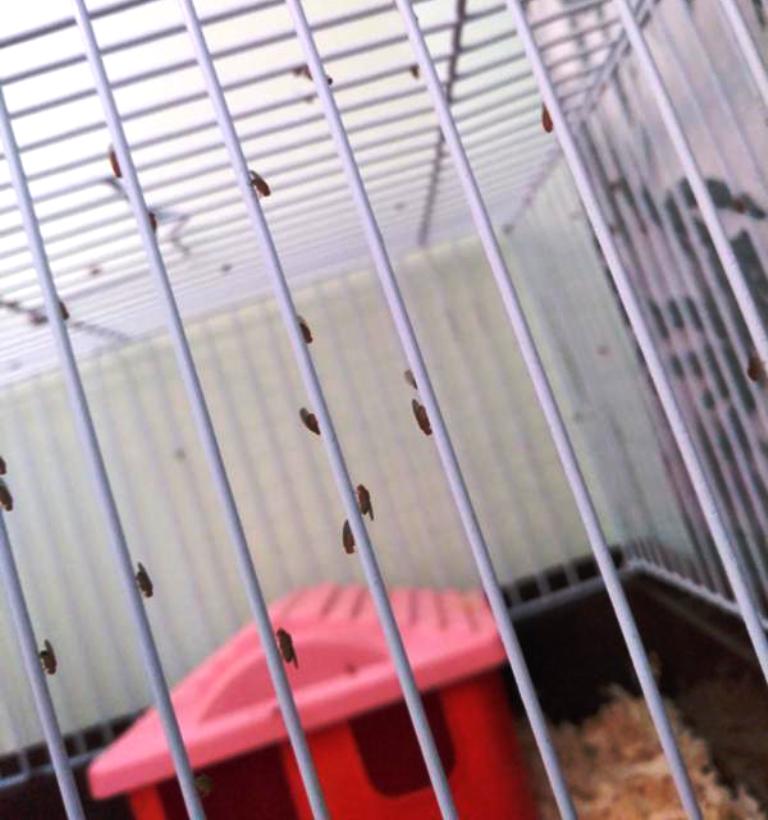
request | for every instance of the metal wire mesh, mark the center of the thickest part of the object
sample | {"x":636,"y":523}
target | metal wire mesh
{"x":386,"y":135}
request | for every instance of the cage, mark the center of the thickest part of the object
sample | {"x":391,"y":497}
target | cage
{"x":448,"y":304}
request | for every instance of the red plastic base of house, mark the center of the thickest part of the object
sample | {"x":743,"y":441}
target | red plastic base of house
{"x":370,"y":767}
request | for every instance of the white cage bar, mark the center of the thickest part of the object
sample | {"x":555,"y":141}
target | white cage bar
{"x":378,"y":169}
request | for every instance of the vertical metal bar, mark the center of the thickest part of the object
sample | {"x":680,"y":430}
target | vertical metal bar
{"x":203,"y":419}
{"x":659,"y":432}
{"x":154,"y":456}
{"x":25,"y":637}
{"x":543,"y":388}
{"x":134,"y":513}
{"x":432,"y":531}
{"x":748,"y":47}
{"x":656,"y":286}
{"x":548,"y":316}
{"x":173,"y":427}
{"x":680,"y":267}
{"x":324,"y":502}
{"x":11,"y":716}
{"x":704,"y":492}
{"x":595,"y":166}
{"x":150,"y":655}
{"x":312,"y":385}
{"x":715,"y":85}
{"x":418,"y":366}
{"x":89,"y":575}
{"x":364,"y":433}
{"x":710,"y":567}
{"x":267,"y":417}
{"x":29,"y":464}
{"x":733,"y":272}
{"x":255,"y":490}
{"x":437,"y":162}
{"x":711,"y":279}
{"x":23,"y":534}
{"x":463,"y":362}
{"x":554,"y":320}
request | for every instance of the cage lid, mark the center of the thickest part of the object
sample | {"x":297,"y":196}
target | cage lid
{"x":227,"y":705}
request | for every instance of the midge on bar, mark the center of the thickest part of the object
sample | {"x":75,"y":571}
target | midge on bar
{"x":549,"y":221}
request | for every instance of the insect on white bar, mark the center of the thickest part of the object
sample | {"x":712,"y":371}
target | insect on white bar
{"x":150,"y":655}
{"x":205,"y":430}
{"x":683,"y":438}
{"x":25,"y":637}
{"x":434,"y":417}
{"x":312,"y":385}
{"x":541,"y":383}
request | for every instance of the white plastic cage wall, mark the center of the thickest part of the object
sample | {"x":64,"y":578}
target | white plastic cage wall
{"x":553,"y":214}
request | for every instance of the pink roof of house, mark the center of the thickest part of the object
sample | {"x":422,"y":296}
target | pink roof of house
{"x":227,"y":706}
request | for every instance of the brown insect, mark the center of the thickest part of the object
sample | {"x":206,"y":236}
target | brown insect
{"x":364,"y":500}
{"x":3,"y":467}
{"x":116,"y":170}
{"x":226,"y":268}
{"x":95,"y":270}
{"x":739,"y":205}
{"x":144,"y":582}
{"x":303,"y":71}
{"x":422,"y":419}
{"x":756,"y":369}
{"x":347,"y":538}
{"x":305,"y":330}
{"x":258,"y":183}
{"x":6,"y":499}
{"x":63,"y":310}
{"x":287,"y":649}
{"x":546,"y":119}
{"x":37,"y":317}
{"x":415,"y":71}
{"x":152,"y":220}
{"x":310,"y":420}
{"x":410,"y":379}
{"x":48,"y":658}
{"x":204,"y":784}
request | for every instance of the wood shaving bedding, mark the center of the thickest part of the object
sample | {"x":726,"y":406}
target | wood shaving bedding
{"x":615,"y":768}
